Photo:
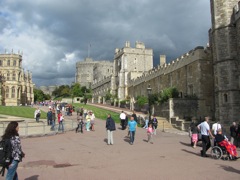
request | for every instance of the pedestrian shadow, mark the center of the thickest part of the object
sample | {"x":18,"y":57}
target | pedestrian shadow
{"x":127,"y":139}
{"x":105,"y":140}
{"x":145,"y":140}
{"x":197,"y":154}
{"x":230,"y":169}
{"x":186,"y":144}
{"x":35,"y":177}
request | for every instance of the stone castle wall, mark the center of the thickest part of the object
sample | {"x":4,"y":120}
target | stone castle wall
{"x":226,"y":63}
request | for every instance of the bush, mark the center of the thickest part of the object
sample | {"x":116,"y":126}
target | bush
{"x":171,"y":92}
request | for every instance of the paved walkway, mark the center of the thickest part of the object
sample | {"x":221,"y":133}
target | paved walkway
{"x":87,"y":156}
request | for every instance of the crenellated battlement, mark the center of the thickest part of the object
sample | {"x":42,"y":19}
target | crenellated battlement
{"x":193,"y":55}
{"x":101,"y":82}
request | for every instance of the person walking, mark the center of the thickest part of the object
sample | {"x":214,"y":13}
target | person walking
{"x":150,"y":133}
{"x":92,"y":121}
{"x":11,"y":133}
{"x":49,"y":117}
{"x":53,"y":119}
{"x":146,"y":122}
{"x":215,"y":127}
{"x":194,"y":134}
{"x":233,"y":133}
{"x":60,"y":122}
{"x":37,"y":114}
{"x":154,"y":125}
{"x":205,"y":132}
{"x":123,"y":119}
{"x":132,"y":124}
{"x":110,"y":126}
{"x":88,"y":120}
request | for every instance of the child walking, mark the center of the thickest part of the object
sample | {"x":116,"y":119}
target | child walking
{"x":150,"y":133}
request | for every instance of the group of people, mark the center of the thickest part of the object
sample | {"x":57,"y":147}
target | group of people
{"x":131,"y":125}
{"x":85,"y":118}
{"x":218,"y":138}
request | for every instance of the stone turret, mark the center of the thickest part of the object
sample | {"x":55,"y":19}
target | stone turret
{"x":223,"y":41}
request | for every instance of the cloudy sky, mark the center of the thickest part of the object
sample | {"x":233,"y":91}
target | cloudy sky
{"x":54,"y":34}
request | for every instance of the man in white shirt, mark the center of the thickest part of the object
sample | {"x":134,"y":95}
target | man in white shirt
{"x":205,"y":132}
{"x":215,"y":127}
{"x":123,"y":118}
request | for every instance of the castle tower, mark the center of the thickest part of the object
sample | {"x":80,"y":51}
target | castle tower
{"x":226,"y":62}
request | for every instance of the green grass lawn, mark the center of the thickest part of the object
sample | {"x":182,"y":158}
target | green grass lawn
{"x":99,"y":113}
{"x":20,"y":111}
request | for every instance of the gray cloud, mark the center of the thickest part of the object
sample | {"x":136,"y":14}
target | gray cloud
{"x":54,"y":34}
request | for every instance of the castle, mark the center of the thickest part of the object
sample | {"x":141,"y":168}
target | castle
{"x":16,"y":86}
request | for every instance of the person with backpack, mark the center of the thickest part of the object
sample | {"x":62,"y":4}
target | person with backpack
{"x":11,"y":133}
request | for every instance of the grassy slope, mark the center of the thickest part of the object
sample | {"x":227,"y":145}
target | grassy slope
{"x":28,"y":112}
{"x":99,"y":113}
{"x":20,"y":111}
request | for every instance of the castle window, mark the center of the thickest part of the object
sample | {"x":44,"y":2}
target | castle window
{"x":7,"y":92}
{"x":14,"y":63}
{"x":8,"y":75}
{"x":14,"y":76}
{"x":8,"y":62}
{"x":0,"y":62}
{"x":13,"y":92}
{"x":225,"y":97}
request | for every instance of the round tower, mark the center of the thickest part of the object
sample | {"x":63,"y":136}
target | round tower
{"x":223,"y":41}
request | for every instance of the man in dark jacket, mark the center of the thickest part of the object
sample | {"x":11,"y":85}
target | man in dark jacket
{"x":110,"y":126}
{"x":49,"y":117}
{"x":233,"y":131}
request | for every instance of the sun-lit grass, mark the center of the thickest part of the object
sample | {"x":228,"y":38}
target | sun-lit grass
{"x":20,"y":111}
{"x":100,"y":113}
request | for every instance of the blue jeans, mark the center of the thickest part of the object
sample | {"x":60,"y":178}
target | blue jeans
{"x":60,"y":125}
{"x":146,"y":124}
{"x":12,"y":171}
{"x":132,"y":135}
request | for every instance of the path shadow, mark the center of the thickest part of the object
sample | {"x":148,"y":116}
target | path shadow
{"x":230,"y":169}
{"x":145,"y":140}
{"x":105,"y":140}
{"x":186,"y":144}
{"x":35,"y":177}
{"x":127,"y":139}
{"x":190,"y":152}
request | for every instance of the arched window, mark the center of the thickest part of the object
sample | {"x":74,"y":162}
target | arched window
{"x":1,"y":63}
{"x":14,"y":62}
{"x":8,"y":62}
{"x":7,"y":92}
{"x":13,"y":92}
{"x":14,"y":76}
{"x":8,"y":75}
{"x":225,"y":97}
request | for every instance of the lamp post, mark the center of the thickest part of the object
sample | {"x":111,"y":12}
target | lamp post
{"x":149,"y":90}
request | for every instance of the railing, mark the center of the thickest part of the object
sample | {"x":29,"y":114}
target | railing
{"x":32,"y":128}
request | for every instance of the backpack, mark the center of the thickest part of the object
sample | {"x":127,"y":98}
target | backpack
{"x":5,"y":154}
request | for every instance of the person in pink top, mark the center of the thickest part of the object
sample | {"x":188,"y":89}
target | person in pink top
{"x":150,"y":133}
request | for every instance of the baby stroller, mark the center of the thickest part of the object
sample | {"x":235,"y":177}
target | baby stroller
{"x":224,"y":150}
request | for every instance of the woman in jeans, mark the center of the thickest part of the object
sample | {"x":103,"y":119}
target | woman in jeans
{"x":11,"y":133}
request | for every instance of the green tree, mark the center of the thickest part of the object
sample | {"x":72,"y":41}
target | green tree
{"x":40,"y":96}
{"x":167,"y":93}
{"x":141,"y":100}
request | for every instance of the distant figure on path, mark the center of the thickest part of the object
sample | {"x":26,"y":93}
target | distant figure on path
{"x":132,"y":124}
{"x":123,"y":119}
{"x":110,"y":126}
{"x":37,"y":114}
{"x":150,"y":133}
